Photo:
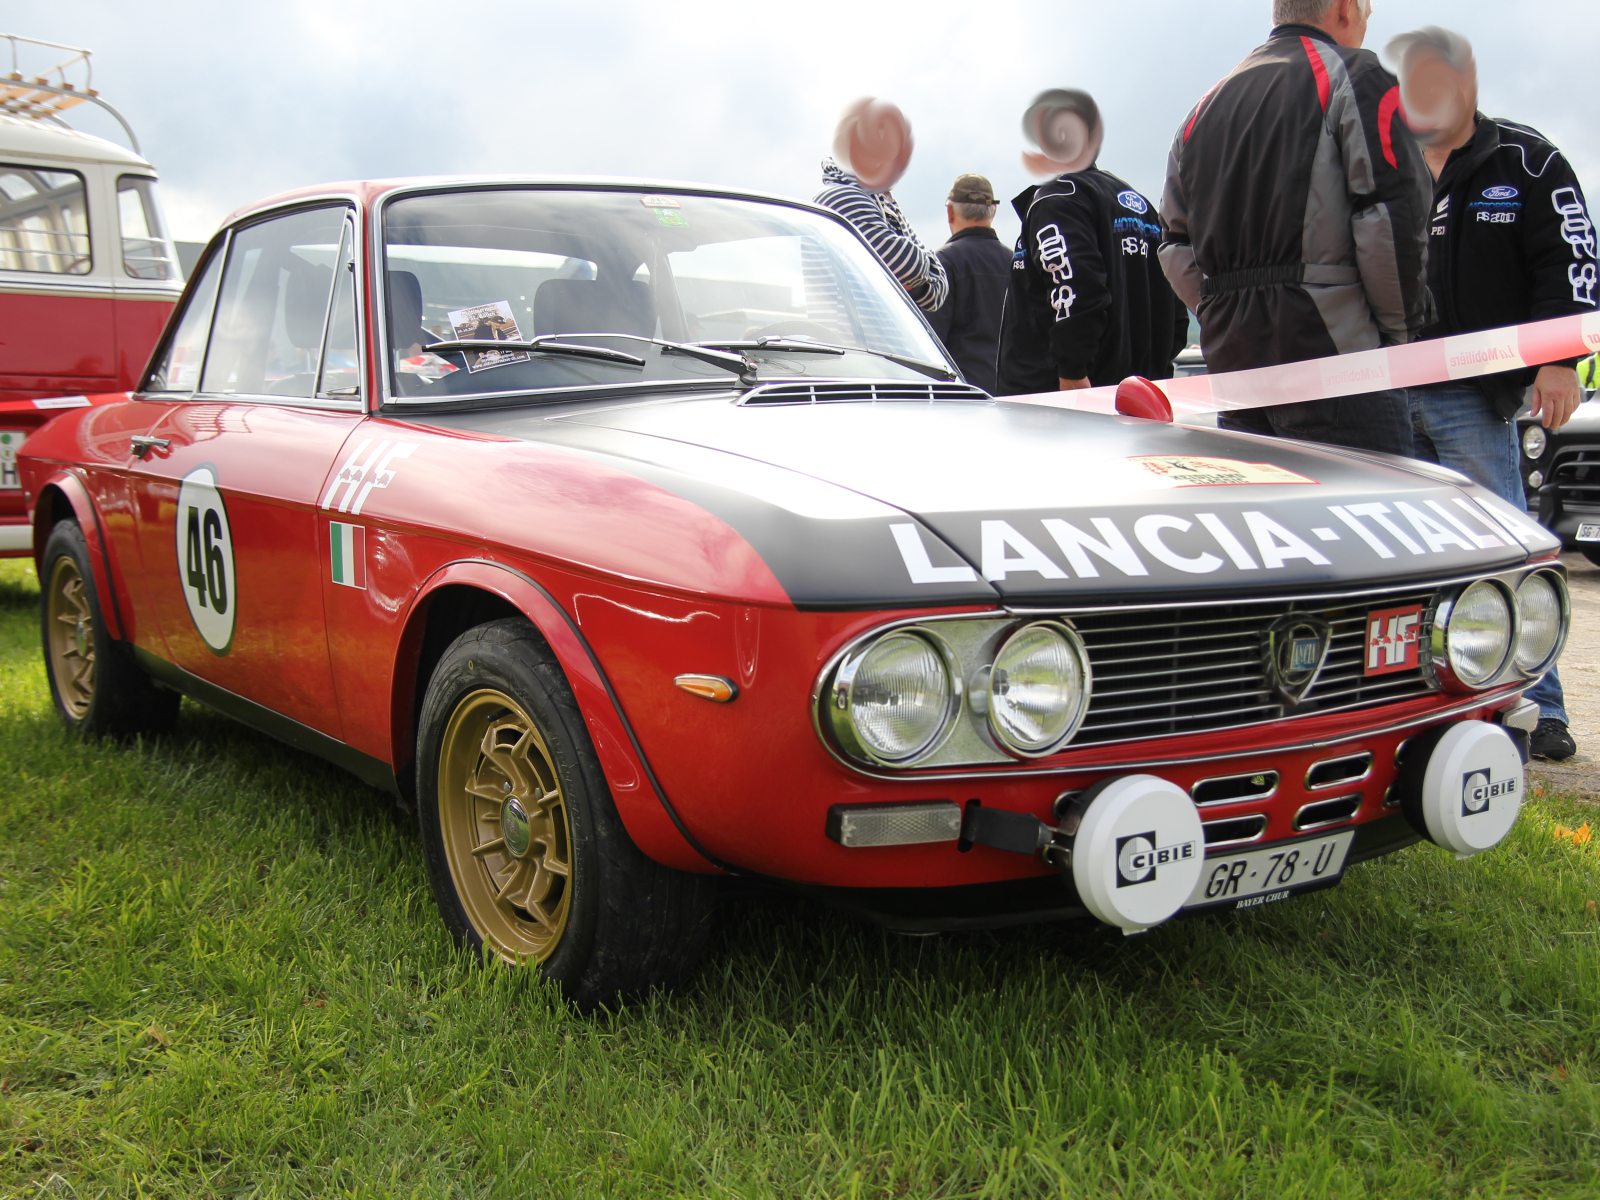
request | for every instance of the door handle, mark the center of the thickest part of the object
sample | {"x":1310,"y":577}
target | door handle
{"x":141,"y":446}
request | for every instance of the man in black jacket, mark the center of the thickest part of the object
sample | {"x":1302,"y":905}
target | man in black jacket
{"x":978,"y":266}
{"x":1296,"y":205}
{"x":1510,"y":242}
{"x":1088,"y":304}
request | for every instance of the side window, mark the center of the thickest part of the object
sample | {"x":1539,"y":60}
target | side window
{"x":146,"y":252}
{"x":272,"y":309}
{"x":179,"y":367}
{"x":44,"y":221}
{"x":341,"y":358}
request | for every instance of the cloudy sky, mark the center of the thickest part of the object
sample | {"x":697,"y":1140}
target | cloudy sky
{"x":236,"y":101}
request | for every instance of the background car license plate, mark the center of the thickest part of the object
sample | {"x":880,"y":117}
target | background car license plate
{"x":10,"y":442}
{"x":1589,"y":532}
{"x":1271,"y":873}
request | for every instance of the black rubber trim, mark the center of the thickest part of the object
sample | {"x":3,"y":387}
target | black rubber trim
{"x":369,"y":770}
{"x":616,"y":703}
{"x":963,"y":908}
{"x":105,"y":552}
{"x":1383,"y":836}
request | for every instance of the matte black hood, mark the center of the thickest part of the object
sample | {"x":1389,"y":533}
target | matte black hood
{"x":894,"y":504}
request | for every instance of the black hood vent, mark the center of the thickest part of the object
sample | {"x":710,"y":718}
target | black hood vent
{"x":860,"y":391}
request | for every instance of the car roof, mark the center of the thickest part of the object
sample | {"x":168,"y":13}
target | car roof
{"x":370,"y":191}
{"x":41,"y":140}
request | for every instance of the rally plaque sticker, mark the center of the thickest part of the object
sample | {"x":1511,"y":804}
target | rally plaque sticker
{"x":205,"y":558}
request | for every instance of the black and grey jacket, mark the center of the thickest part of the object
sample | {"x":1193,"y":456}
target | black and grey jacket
{"x":1296,"y":204}
{"x":879,"y":220}
{"x":1087,"y":298}
{"x":1510,"y":241}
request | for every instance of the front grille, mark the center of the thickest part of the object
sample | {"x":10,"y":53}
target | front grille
{"x":859,"y":391}
{"x":1164,"y":672}
{"x":1576,"y":476}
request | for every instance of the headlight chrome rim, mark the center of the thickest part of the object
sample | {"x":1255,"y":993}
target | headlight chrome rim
{"x":1558,"y":584}
{"x":1534,"y":442}
{"x":841,"y":697}
{"x":1443,"y":662}
{"x":1074,"y":715}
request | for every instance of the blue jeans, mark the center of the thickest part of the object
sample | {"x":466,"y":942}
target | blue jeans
{"x":1455,"y":426}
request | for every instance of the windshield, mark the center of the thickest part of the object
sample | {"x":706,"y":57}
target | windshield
{"x":513,"y":265}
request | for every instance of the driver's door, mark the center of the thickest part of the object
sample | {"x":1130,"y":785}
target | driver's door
{"x":226,"y":494}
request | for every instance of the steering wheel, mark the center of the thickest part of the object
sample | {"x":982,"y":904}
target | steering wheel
{"x":785,"y":328}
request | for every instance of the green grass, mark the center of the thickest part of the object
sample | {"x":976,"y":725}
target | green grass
{"x":221,"y":974}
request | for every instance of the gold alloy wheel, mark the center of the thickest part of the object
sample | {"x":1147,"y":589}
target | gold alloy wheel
{"x":71,"y":637}
{"x":504,"y":826}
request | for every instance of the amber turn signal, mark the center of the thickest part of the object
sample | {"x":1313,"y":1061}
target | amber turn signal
{"x":709,"y":687}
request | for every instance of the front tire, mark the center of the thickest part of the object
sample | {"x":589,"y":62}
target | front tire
{"x":527,"y":856}
{"x":95,"y":685}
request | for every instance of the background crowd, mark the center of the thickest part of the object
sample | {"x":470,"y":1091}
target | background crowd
{"x":1316,"y":203}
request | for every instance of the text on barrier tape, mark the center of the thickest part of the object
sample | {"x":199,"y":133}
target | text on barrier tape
{"x":1417,"y":364}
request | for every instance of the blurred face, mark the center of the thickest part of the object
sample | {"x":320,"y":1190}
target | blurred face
{"x":1439,"y":100}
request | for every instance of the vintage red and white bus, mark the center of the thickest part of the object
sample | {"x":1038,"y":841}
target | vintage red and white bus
{"x":87,"y":269}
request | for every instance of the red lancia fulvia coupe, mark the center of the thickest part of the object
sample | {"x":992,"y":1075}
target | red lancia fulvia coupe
{"x":634,"y":534}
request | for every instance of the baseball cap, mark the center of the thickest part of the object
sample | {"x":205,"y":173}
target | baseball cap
{"x":971,"y":189}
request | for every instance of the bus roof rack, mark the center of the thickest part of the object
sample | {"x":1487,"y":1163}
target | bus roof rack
{"x":38,"y":99}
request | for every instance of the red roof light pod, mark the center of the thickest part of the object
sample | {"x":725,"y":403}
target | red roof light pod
{"x":1138,"y":397}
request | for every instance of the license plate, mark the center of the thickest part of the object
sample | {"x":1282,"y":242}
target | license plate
{"x":1272,"y":873}
{"x":10,"y":442}
{"x":1589,"y":532}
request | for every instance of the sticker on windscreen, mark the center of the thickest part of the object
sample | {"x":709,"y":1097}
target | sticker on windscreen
{"x":671,"y":217}
{"x":492,"y":322}
{"x":205,"y":558}
{"x":1184,"y":471}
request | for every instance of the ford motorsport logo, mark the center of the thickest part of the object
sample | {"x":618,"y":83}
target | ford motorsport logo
{"x":1133,"y":201}
{"x":1479,"y":788}
{"x":1139,"y":858}
{"x":1500,"y":193}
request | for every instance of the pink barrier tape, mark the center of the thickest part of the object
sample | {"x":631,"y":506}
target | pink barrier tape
{"x":1415,"y":365}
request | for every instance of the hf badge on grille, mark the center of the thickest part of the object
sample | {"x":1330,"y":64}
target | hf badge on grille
{"x":1393,"y":639}
{"x":1296,"y":647}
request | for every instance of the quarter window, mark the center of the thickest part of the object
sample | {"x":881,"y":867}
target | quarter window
{"x":44,"y":221}
{"x":179,"y":367}
{"x":146,"y":251}
{"x":341,"y":359}
{"x":273,"y":306}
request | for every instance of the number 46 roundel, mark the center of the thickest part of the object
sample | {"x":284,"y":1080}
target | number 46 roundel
{"x":205,"y":558}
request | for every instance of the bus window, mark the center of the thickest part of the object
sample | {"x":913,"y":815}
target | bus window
{"x":44,"y":221}
{"x":146,"y":252}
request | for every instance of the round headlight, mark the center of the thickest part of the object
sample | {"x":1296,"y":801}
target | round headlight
{"x":895,"y":698}
{"x":1478,"y":635}
{"x":1539,"y":607}
{"x":1039,"y":688}
{"x":1534,"y":441}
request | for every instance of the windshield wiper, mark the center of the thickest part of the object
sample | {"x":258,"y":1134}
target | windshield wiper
{"x":796,"y":346}
{"x":536,"y":346}
{"x":745,"y":368}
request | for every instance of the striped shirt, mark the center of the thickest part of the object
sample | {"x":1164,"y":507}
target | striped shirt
{"x":878,"y":219}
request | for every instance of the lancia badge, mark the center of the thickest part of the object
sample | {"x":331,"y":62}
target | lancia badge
{"x":1296,"y":647}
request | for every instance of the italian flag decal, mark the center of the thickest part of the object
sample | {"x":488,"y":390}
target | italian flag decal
{"x":347,"y":546}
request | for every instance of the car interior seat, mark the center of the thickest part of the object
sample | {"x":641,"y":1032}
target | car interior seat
{"x":405,"y":312}
{"x":305,"y":313}
{"x":593,"y":306}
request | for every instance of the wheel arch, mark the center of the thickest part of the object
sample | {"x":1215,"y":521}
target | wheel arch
{"x":467,"y":593}
{"x":65,"y":497}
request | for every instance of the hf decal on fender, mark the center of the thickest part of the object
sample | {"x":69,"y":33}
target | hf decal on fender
{"x":205,"y":558}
